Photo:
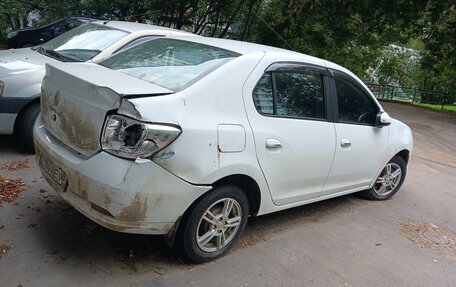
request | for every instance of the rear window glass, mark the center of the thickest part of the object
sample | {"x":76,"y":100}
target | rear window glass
{"x":170,"y":63}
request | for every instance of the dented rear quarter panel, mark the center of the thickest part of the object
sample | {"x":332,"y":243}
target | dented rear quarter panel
{"x":214,"y":100}
{"x":218,"y":99}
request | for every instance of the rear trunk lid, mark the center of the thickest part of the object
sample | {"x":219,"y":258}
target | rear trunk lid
{"x":76,"y":98}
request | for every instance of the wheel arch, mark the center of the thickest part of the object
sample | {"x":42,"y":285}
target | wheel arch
{"x":404,"y":154}
{"x":33,"y":101}
{"x":248,"y":185}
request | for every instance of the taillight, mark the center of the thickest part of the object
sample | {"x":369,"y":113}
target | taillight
{"x":129,"y":138}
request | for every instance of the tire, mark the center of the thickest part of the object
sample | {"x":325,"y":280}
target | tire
{"x":201,"y":234}
{"x":24,"y":127}
{"x":387,"y":186}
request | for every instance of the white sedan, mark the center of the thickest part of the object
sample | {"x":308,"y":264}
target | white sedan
{"x":188,"y":137}
{"x":22,"y":70}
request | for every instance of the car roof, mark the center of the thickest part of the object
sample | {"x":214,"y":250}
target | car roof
{"x":247,"y":48}
{"x":135,"y":27}
{"x":239,"y":47}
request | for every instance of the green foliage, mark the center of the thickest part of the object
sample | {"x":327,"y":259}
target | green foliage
{"x":438,"y":66}
{"x":355,"y":34}
{"x":448,"y":108}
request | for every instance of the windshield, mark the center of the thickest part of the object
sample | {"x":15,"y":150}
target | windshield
{"x":170,"y":63}
{"x":84,"y":42}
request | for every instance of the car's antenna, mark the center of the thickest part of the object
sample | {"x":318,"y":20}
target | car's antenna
{"x":281,"y":38}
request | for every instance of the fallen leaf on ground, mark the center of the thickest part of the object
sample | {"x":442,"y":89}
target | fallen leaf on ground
{"x":33,"y":226}
{"x":18,"y":165}
{"x":5,"y":248}
{"x":10,"y":189}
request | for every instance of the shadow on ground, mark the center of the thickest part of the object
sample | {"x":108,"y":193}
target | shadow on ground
{"x":65,"y":234}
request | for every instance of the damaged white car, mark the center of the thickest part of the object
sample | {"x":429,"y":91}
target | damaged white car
{"x":189,"y":137}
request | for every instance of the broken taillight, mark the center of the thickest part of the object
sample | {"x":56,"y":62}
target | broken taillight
{"x":129,"y":138}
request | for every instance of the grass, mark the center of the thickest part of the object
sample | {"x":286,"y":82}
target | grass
{"x":450,"y":109}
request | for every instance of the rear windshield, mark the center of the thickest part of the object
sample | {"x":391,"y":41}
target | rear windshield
{"x":170,"y":63}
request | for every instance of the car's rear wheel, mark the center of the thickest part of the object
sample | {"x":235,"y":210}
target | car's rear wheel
{"x":214,"y":224}
{"x":24,"y":127}
{"x":389,"y":180}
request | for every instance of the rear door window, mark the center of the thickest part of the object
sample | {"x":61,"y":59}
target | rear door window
{"x":293,"y":94}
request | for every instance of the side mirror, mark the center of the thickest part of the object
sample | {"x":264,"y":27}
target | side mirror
{"x":382,"y":120}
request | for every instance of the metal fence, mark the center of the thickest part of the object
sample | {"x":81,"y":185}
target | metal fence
{"x":411,"y":95}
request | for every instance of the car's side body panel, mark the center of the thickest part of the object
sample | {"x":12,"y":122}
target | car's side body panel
{"x":214,"y":100}
{"x":303,"y":143}
{"x":400,"y":139}
{"x":356,"y":164}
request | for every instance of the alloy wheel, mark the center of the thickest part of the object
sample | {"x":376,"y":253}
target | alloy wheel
{"x":219,"y":225}
{"x":388,"y":179}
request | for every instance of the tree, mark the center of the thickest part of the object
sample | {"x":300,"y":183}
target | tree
{"x":355,"y":34}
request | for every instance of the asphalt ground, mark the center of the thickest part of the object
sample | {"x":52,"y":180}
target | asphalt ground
{"x":409,"y":240}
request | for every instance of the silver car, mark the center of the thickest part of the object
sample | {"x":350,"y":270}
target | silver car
{"x":22,"y":70}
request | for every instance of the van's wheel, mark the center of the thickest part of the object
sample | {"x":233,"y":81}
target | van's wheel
{"x":214,"y":224}
{"x":389,"y":181}
{"x":24,"y":127}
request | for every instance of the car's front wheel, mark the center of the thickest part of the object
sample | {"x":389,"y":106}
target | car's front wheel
{"x":389,"y":180}
{"x":214,"y":224}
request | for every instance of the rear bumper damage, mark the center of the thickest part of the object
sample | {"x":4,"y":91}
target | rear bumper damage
{"x":122,"y":195}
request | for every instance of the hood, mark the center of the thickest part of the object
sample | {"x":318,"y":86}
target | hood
{"x":19,"y":61}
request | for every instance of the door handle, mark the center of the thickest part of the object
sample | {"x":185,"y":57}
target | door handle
{"x":273,"y":144}
{"x":345,"y":143}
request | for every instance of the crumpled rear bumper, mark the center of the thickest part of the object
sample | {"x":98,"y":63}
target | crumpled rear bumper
{"x":122,"y":195}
